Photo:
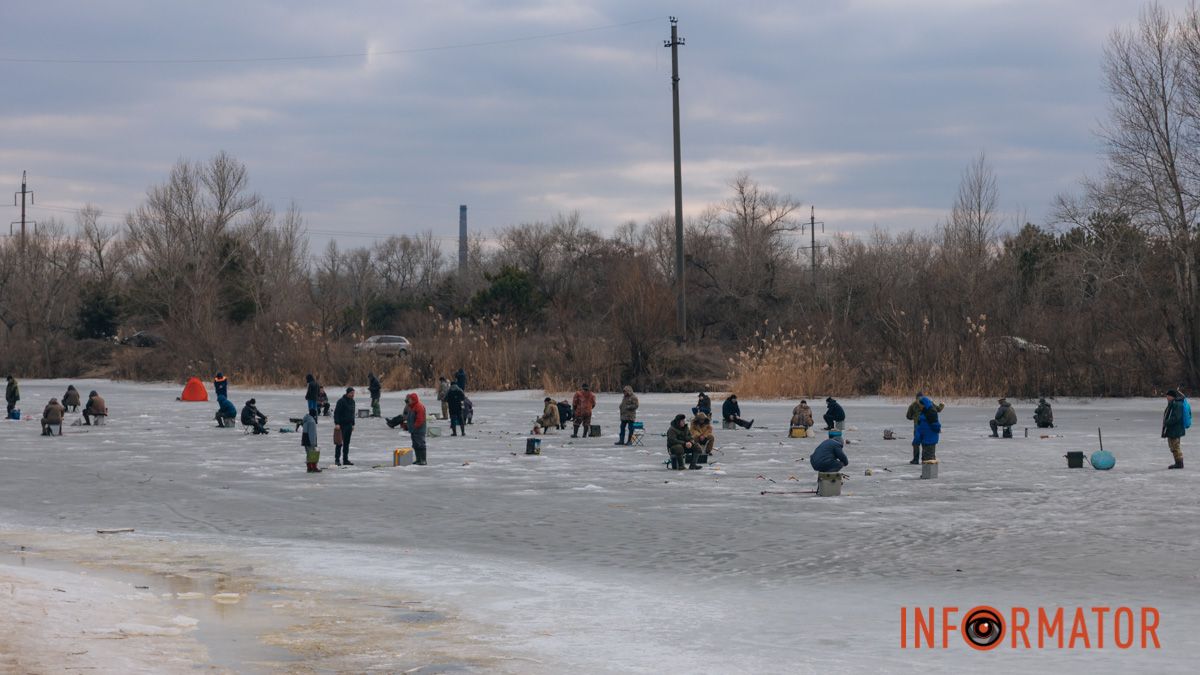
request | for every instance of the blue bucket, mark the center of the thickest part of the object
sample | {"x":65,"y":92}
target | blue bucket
{"x":15,"y":415}
{"x":1102,"y":460}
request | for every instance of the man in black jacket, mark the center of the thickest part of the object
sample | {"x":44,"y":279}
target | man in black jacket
{"x":343,"y":425}
{"x":732,"y":412}
{"x":835,"y":417}
{"x":251,"y":417}
{"x":312,"y":392}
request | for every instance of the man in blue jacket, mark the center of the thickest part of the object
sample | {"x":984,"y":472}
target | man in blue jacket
{"x":928,"y":431}
{"x":829,"y":456}
{"x":226,"y":412}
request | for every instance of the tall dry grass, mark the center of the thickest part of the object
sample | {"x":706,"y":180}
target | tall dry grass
{"x":790,"y":364}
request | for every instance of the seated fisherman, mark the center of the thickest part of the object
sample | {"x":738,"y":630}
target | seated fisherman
{"x":52,"y":416}
{"x":702,"y":434}
{"x":1005,"y":417}
{"x":1043,"y":416}
{"x":251,"y":417}
{"x":95,"y":407}
{"x":829,"y":456}
{"x":226,"y":412}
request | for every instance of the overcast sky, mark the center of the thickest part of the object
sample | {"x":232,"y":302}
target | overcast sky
{"x":868,"y":109}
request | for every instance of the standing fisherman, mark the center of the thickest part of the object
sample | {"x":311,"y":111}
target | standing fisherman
{"x":375,"y":387}
{"x":1173,"y":427}
{"x":343,"y":428}
{"x":415,"y":423}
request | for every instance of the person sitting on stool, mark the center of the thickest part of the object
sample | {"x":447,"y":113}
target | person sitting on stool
{"x":226,"y":412}
{"x":731,"y":412}
{"x":95,"y":408}
{"x":829,"y":456}
{"x":52,"y":415}
{"x":1005,"y":417}
{"x":1043,"y":415}
{"x":251,"y":417}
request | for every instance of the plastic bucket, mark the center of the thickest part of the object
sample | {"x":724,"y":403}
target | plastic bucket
{"x":533,"y":446}
{"x":1074,"y":459}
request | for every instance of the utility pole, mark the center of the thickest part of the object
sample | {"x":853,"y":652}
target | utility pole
{"x":812,"y":225}
{"x":680,"y":287}
{"x":24,"y":191}
{"x":462,"y":240}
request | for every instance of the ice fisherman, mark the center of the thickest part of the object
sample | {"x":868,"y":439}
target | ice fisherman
{"x":312,"y":393}
{"x":221,"y":385}
{"x":702,"y":433}
{"x":732,"y":412}
{"x":443,"y":388}
{"x":415,"y":424}
{"x":343,"y":428}
{"x":1005,"y":417}
{"x":928,"y":431}
{"x":323,"y":400}
{"x":802,"y":415}
{"x":253,"y":417}
{"x":12,"y":394}
{"x":1175,"y":424}
{"x":582,"y":405}
{"x":308,"y":439}
{"x":455,"y":397}
{"x":628,"y":410}
{"x":70,"y":400}
{"x":52,"y":415}
{"x":549,"y":418}
{"x":95,"y":407}
{"x":1043,"y":415}
{"x":375,"y":388}
{"x":835,"y":416}
{"x":680,"y":444}
{"x":914,"y":415}
{"x":460,"y":378}
{"x":226,"y":412}
{"x":829,"y":457}
{"x":703,"y":405}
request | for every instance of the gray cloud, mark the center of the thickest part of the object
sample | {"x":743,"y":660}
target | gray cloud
{"x":869,"y":108}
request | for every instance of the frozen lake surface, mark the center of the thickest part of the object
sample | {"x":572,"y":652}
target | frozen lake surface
{"x":598,"y":559}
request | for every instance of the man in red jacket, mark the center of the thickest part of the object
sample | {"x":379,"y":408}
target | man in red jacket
{"x":414,"y":423}
{"x":581,"y":410}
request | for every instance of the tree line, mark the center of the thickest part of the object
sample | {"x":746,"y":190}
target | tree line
{"x":1103,"y":299}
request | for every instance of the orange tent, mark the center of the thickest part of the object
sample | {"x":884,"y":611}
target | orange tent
{"x":194,"y":391}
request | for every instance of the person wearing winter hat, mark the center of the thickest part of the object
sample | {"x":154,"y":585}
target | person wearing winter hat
{"x":415,"y":423}
{"x":95,"y":408}
{"x":1173,"y":426}
{"x":835,"y":417}
{"x":254,"y":419}
{"x":829,"y":457}
{"x":344,"y":415}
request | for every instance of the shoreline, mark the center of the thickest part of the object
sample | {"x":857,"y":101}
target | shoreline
{"x":171,"y":604}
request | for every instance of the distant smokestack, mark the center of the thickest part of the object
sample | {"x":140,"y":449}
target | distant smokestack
{"x":462,"y":239}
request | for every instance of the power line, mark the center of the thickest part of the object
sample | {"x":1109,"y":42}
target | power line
{"x":323,"y":57}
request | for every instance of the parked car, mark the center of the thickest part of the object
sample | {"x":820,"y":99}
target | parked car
{"x":390,"y":345}
{"x":144,"y":338}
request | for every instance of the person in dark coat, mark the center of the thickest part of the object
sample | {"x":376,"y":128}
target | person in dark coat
{"x":1173,"y":427}
{"x":323,"y":401}
{"x":70,"y":400}
{"x":343,"y":427}
{"x":454,"y":402}
{"x":679,"y":443}
{"x":829,"y":456}
{"x":312,"y":393}
{"x":252,"y":418}
{"x":12,"y":394}
{"x":375,"y":388}
{"x":468,"y":411}
{"x":703,"y":405}
{"x":221,"y":385}
{"x":835,"y":417}
{"x":226,"y":412}
{"x":564,"y":414}
{"x":1005,"y":417}
{"x":929,"y":429}
{"x":415,"y":422}
{"x":1043,"y":415}
{"x":628,"y":412}
{"x":460,"y":378}
{"x":732,"y":412}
